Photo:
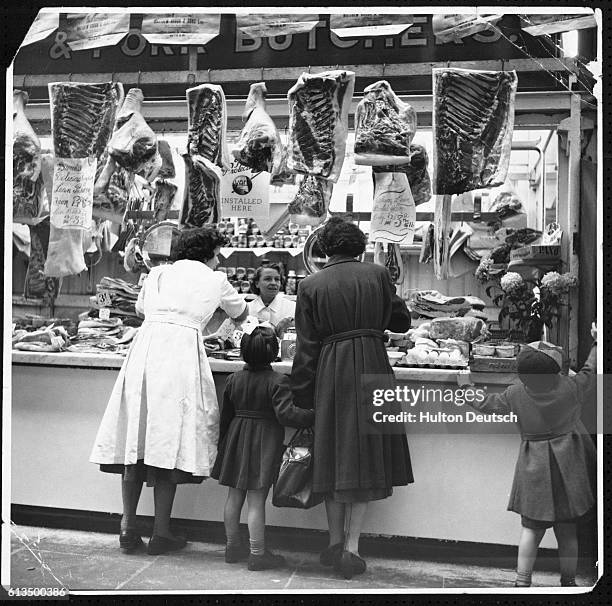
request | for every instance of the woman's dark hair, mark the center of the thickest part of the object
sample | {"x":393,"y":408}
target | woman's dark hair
{"x":198,"y":244}
{"x":260,"y":347}
{"x":340,"y":237}
{"x":259,"y":271}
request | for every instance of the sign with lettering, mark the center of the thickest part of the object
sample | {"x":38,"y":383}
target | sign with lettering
{"x":245,"y":193}
{"x":270,"y":25}
{"x":180,"y":28}
{"x":393,"y":212}
{"x":72,"y":195}
{"x":348,"y":26}
{"x":92,"y":30}
{"x":44,"y":25}
{"x":453,"y":28}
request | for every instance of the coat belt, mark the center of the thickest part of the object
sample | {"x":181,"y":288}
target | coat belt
{"x":253,"y":414}
{"x":353,"y":334}
{"x":174,"y":319}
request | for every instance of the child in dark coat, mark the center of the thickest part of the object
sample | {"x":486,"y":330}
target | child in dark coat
{"x":554,"y":479}
{"x":257,"y":403}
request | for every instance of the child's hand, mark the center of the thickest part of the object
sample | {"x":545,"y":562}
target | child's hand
{"x":594,"y":331}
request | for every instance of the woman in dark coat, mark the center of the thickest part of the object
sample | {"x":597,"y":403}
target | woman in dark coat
{"x":341,"y":313}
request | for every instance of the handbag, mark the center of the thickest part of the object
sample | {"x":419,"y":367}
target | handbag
{"x":293,"y":486}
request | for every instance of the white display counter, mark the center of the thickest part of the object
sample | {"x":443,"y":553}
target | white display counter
{"x":461,"y":483}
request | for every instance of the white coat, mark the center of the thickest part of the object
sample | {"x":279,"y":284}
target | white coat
{"x":163,"y":407}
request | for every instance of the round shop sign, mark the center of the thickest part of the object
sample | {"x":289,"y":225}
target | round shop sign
{"x":242,"y":185}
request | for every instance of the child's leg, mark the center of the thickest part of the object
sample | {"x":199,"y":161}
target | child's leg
{"x":335,"y":521}
{"x":163,"y":498}
{"x":231,"y":515}
{"x":567,"y":542}
{"x":355,"y":514}
{"x":257,"y":520}
{"x":130,"y":494}
{"x":527,"y":552}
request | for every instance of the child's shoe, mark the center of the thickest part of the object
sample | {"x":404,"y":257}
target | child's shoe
{"x":130,"y":541}
{"x":330,"y":555}
{"x":523,"y":579}
{"x":266,"y":561}
{"x":235,"y":553}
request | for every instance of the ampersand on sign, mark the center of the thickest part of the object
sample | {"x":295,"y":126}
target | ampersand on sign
{"x":59,"y":49}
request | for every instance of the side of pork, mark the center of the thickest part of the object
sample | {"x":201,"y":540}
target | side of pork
{"x":473,"y":121}
{"x":318,"y":123}
{"x":309,"y":207}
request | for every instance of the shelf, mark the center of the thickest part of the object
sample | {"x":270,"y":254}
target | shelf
{"x":260,"y":252}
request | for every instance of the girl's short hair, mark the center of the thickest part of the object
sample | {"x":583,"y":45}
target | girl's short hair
{"x":259,"y":271}
{"x":198,"y":244}
{"x":340,"y":237}
{"x":260,"y":347}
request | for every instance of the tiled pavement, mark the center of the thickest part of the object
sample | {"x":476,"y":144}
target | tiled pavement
{"x":78,"y":560}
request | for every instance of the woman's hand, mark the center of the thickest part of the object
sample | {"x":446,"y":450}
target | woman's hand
{"x":594,"y":331}
{"x":283,"y":325}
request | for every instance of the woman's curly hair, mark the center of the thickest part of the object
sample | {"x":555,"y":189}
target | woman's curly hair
{"x":340,"y":237}
{"x":198,"y":244}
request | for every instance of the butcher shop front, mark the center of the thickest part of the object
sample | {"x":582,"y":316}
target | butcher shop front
{"x":488,"y":237}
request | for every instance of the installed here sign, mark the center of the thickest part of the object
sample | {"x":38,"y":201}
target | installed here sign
{"x":245,"y":193}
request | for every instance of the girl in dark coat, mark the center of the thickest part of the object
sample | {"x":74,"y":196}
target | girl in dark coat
{"x":341,"y":313}
{"x":554,"y":479}
{"x":257,"y":402}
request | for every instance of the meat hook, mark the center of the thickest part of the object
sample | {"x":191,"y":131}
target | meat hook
{"x":262,"y":73}
{"x":383,"y":69}
{"x":138,"y":83}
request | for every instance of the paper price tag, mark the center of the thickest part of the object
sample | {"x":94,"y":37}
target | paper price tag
{"x":104,"y":313}
{"x":72,"y":196}
{"x":103,"y":298}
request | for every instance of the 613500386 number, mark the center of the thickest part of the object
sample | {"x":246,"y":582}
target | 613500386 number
{"x":37,"y":592}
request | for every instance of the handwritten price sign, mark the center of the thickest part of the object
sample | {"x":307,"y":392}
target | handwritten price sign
{"x":393,"y":212}
{"x":72,"y":196}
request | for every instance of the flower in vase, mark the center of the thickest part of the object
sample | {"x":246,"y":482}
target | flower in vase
{"x":511,"y":281}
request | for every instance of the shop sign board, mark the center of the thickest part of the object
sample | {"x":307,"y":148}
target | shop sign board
{"x":44,"y":25}
{"x":350,"y":26}
{"x":270,"y":25}
{"x":233,"y":48}
{"x":180,"y":28}
{"x":245,"y":193}
{"x":92,"y":30}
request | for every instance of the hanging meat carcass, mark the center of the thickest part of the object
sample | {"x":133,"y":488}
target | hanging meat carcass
{"x":207,"y":154}
{"x":416,"y":171}
{"x":259,"y":146}
{"x":473,"y":120}
{"x":27,"y":182}
{"x":318,"y":123}
{"x":207,"y":124}
{"x":82,"y":118}
{"x":384,"y":127}
{"x":309,"y":207}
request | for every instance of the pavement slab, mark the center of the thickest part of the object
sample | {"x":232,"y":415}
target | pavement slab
{"x":86,"y":561}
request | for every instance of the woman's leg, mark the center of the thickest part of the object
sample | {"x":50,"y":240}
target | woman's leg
{"x":354,"y":516}
{"x":231,"y":515}
{"x":163,"y":497}
{"x":130,"y":494}
{"x":257,"y":520}
{"x":527,"y":552}
{"x":567,"y":542}
{"x":335,"y":521}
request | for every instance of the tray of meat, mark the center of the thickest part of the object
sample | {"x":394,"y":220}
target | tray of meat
{"x":473,"y":121}
{"x":384,"y":127}
{"x":318,"y":122}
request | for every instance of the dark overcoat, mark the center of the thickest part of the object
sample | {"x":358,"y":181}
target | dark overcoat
{"x":341,"y":313}
{"x":555,"y":474}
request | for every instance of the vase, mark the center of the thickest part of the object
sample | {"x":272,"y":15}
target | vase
{"x":534,"y":330}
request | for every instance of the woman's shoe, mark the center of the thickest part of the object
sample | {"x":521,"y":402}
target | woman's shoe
{"x":236,"y":553}
{"x":350,"y":564}
{"x":159,"y":544}
{"x":331,"y":554}
{"x":129,"y":541}
{"x":266,"y":561}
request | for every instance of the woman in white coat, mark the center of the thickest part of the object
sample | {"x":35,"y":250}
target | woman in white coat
{"x":270,"y":305}
{"x":162,"y":420}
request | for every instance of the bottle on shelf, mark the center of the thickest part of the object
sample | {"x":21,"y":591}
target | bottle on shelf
{"x":291,"y":285}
